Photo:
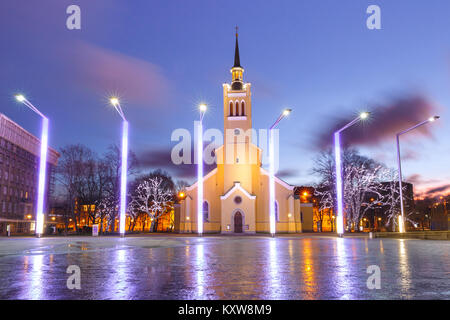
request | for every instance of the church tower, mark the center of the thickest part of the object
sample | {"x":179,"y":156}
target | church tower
{"x":237,"y":97}
{"x":239,"y":155}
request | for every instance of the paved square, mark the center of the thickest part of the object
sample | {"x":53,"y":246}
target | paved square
{"x":217,"y":267}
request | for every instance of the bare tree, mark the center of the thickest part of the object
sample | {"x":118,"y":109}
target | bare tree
{"x":181,"y":185}
{"x":390,"y":199}
{"x":136,"y":214}
{"x":362,"y":177}
{"x":87,"y":180}
{"x":106,"y":208}
{"x":325,"y":202}
{"x":70,"y":175}
{"x":153,"y":197}
{"x":112,"y":165}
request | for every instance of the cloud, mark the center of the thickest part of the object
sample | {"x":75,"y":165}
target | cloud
{"x":417,"y":179}
{"x":409,"y":154}
{"x":386,"y":120}
{"x":287,"y":173}
{"x":105,"y":71}
{"x":435,"y":191}
{"x":161,"y":159}
{"x":439,"y":189}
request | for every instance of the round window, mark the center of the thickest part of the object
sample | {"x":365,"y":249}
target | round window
{"x":237,"y":200}
{"x":237,"y":131}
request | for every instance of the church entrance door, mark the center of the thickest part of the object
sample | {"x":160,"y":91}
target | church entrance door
{"x":238,"y":222}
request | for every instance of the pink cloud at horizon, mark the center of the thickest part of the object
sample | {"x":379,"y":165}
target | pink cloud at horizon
{"x":104,"y":71}
{"x":429,"y":188}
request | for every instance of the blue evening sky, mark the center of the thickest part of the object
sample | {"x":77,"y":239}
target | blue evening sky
{"x":163,"y":57}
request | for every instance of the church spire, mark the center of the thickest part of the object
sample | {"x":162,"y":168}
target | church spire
{"x":237,"y":60}
{"x":237,"y":71}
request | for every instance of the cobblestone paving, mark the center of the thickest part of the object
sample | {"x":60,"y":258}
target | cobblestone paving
{"x":223,"y":268}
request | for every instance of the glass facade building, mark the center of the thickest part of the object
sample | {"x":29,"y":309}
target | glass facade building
{"x":19,"y":162}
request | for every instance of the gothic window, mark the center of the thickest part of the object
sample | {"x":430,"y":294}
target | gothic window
{"x":205,"y":211}
{"x":231,"y":108}
{"x":242,"y":108}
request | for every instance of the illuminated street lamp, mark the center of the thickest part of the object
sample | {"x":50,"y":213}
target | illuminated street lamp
{"x":337,"y":154}
{"x":202,"y":107}
{"x":123,"y":174}
{"x":42,"y":166}
{"x":401,"y":219}
{"x":284,"y":114}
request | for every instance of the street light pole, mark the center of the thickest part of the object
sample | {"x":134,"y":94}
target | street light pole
{"x":339,"y":189}
{"x":272,"y":221}
{"x":401,"y":222}
{"x":42,"y":166}
{"x":202,"y":108}
{"x":124,"y":167}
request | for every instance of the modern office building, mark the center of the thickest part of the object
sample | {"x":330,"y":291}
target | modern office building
{"x":19,"y":162}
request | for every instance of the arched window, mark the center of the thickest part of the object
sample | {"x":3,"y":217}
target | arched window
{"x":277,"y":216}
{"x":231,"y":108}
{"x":205,"y":211}
{"x":237,"y":108}
{"x":242,"y":108}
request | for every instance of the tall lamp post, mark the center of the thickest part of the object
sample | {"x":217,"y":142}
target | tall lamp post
{"x":202,"y":107}
{"x":401,"y":221}
{"x":124,"y":166}
{"x":339,"y":190}
{"x":42,"y":166}
{"x":284,"y":114}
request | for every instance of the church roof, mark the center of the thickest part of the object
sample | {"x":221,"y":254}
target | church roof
{"x":237,"y":186}
{"x":210,"y":174}
{"x":278,"y":180}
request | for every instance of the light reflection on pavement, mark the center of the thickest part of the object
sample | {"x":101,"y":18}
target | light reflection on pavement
{"x":216,"y":267}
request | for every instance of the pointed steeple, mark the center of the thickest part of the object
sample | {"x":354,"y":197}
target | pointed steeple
{"x":237,"y":60}
{"x":237,"y":71}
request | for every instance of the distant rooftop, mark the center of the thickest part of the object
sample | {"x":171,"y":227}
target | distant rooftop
{"x":11,"y":131}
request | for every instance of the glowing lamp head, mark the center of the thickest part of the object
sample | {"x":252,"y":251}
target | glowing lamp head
{"x":203,"y":107}
{"x":181,"y":194}
{"x":286,"y":112}
{"x":114,"y":101}
{"x":364,"y":115}
{"x":20,"y":97}
{"x":431,"y":119}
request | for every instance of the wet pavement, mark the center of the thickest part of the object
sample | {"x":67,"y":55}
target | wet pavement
{"x":217,"y":267}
